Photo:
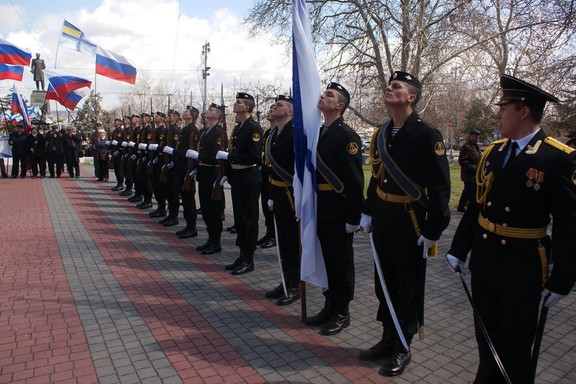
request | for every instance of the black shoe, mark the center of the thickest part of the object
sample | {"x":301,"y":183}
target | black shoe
{"x":276,"y":293}
{"x":269,"y":244}
{"x":234,"y":265}
{"x":263,"y":239}
{"x":157,"y":213}
{"x":203,"y":246}
{"x":188,"y":233}
{"x":396,"y":364}
{"x":198,"y":211}
{"x":77,"y":176}
{"x":145,"y":205}
{"x":320,"y":319}
{"x":213,"y":248}
{"x":231,"y":229}
{"x":135,"y":199}
{"x":126,"y":192}
{"x":243,"y":268}
{"x":117,"y":187}
{"x":170,"y":222}
{"x":382,"y":350}
{"x":293,"y":295}
{"x":337,"y":323}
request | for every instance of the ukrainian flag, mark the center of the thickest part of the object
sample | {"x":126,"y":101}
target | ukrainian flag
{"x":72,"y":37}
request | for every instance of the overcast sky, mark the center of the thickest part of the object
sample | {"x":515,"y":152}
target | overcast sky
{"x":162,"y":38}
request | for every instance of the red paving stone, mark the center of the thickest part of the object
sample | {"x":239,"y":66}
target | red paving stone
{"x":38,"y":320}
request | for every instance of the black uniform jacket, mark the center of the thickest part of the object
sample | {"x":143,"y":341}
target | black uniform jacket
{"x":339,"y":149}
{"x":245,"y":149}
{"x":281,"y":152}
{"x":538,"y":184}
{"x":210,"y":142}
{"x":418,"y":151}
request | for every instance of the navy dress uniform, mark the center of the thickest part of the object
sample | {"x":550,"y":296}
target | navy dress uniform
{"x":171,"y":183}
{"x":158,"y":188}
{"x":521,"y":184}
{"x":115,"y":148}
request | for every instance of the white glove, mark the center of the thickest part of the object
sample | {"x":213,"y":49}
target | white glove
{"x":124,"y":144}
{"x":152,"y":147}
{"x":221,"y":155}
{"x":155,"y":161}
{"x":133,"y":157}
{"x":170,"y":165}
{"x":168,"y":150}
{"x":427,"y":243}
{"x":114,"y":142}
{"x":107,"y":142}
{"x":455,"y":263}
{"x":131,"y":144}
{"x":270,"y":204}
{"x":192,"y":154}
{"x":366,"y":223}
{"x":116,"y":153}
{"x":193,"y":173}
{"x":350,"y":228}
{"x":142,"y":146}
{"x":222,"y":181}
{"x":553,"y":299}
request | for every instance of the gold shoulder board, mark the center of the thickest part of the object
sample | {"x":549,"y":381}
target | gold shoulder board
{"x":558,"y":145}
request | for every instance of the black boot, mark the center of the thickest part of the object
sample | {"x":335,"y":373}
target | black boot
{"x":381,"y":350}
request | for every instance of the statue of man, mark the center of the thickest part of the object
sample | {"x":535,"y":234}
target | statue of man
{"x":37,"y":68}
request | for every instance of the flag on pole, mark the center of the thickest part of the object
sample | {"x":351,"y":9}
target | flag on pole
{"x":72,"y":37}
{"x":65,"y":83}
{"x":11,"y":72}
{"x":19,"y":106}
{"x":114,"y":66}
{"x":307,"y":91}
{"x":68,"y":100}
{"x":11,"y":54}
{"x":5,"y":148}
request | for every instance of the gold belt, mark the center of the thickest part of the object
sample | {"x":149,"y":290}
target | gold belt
{"x":278,"y":183}
{"x":325,"y":187}
{"x":207,"y":165}
{"x":242,"y":166}
{"x":391,"y":198}
{"x":516,"y":233}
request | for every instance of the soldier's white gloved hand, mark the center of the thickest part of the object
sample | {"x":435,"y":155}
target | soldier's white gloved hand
{"x":455,"y":263}
{"x":223,"y":180}
{"x":221,"y":155}
{"x":193,"y":173}
{"x":192,"y":154}
{"x":155,"y":161}
{"x":426,"y":244}
{"x":107,"y":142}
{"x":152,"y":147}
{"x":116,"y":153}
{"x":133,"y":157}
{"x":125,"y":144}
{"x":168,"y":150}
{"x":142,"y":146}
{"x":114,"y":142}
{"x":170,"y":165}
{"x":270,"y":204}
{"x":551,"y":300}
{"x":366,"y":223}
{"x":131,"y":144}
{"x":351,"y":228}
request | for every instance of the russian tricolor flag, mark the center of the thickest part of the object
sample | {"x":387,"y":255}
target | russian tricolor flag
{"x":68,"y":100}
{"x":11,"y":54}
{"x":11,"y":72}
{"x":19,"y":106}
{"x":114,"y":66}
{"x":64,"y":83}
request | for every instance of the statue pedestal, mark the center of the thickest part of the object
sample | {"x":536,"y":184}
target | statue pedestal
{"x":38,"y":98}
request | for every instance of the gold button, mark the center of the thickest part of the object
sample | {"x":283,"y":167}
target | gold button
{"x":484,"y":236}
{"x":504,"y":224}
{"x":385,"y":180}
{"x":489,"y":204}
{"x":507,"y":209}
{"x":503,"y":242}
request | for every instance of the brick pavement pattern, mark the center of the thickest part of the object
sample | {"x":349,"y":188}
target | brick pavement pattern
{"x":94,"y":290}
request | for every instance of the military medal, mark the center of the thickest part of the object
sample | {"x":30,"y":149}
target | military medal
{"x":529,"y":183}
{"x":536,"y":186}
{"x":535,"y":177}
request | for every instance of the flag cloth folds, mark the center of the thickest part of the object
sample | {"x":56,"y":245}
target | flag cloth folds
{"x":5,"y":148}
{"x":115,"y":66}
{"x":68,"y":100}
{"x":65,"y":83}
{"x":72,"y":37}
{"x":19,"y":106}
{"x":11,"y":72}
{"x":306,"y":85}
{"x":11,"y":54}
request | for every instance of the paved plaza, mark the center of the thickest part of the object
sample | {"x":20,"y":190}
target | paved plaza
{"x":93,"y":290}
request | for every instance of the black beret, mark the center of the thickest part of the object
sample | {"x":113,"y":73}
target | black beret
{"x":246,"y":96}
{"x":339,"y":88}
{"x":407,"y":78}
{"x":287,"y":99}
{"x":516,"y":90}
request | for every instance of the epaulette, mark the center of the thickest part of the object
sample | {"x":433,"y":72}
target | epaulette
{"x":558,"y":145}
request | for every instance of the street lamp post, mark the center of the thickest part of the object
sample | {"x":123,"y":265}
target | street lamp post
{"x":205,"y":74}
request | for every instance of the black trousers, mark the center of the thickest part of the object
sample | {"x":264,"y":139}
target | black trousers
{"x":468,"y":195}
{"x":118,"y":170}
{"x":246,"y":211}
{"x":211,"y":209}
{"x":19,"y":160}
{"x":268,"y":215}
{"x":188,"y":198}
{"x":339,"y":259}
{"x":158,"y":188}
{"x":511,"y":319}
{"x":287,"y":241}
{"x":38,"y":163}
{"x":54,"y":164}
{"x":172,"y":193}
